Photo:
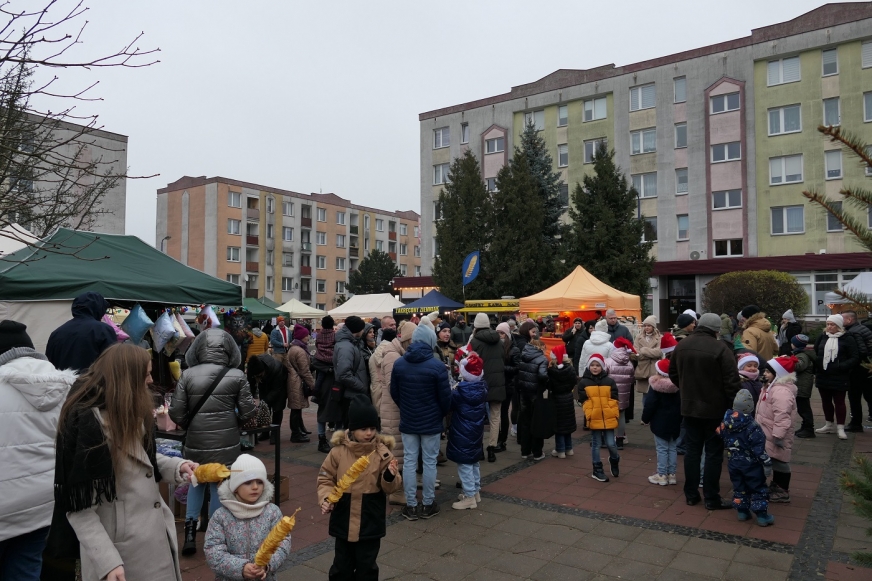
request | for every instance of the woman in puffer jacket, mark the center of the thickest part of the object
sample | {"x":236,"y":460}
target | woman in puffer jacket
{"x":561,"y":381}
{"x":531,"y":382}
{"x":621,"y":370}
{"x":600,"y":342}
{"x":388,"y":410}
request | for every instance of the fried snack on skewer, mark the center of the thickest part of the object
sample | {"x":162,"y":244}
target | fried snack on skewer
{"x":214,"y":472}
{"x":275,"y":537}
{"x":348,"y":479}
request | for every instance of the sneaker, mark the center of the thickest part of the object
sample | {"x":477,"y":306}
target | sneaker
{"x":537,"y":458}
{"x":619,"y":442}
{"x":598,"y":473}
{"x":463,"y":503}
{"x":671,"y":479}
{"x":570,"y":452}
{"x":658,"y":479}
{"x":430,"y":510}
{"x":743,"y":515}
{"x":764,"y":520}
{"x":854,"y":427}
{"x":840,"y":429}
{"x":827,"y":428}
{"x":557,"y":454}
{"x":477,"y":497}
{"x":410,"y":512}
{"x":778,"y":494}
{"x":613,"y":466}
{"x":526,"y":456}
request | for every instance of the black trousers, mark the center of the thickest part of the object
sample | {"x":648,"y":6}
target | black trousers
{"x":529,"y":444}
{"x":505,"y":416}
{"x":861,"y":388}
{"x":700,"y":436}
{"x":296,"y":421}
{"x":355,"y":561}
{"x":803,"y":408}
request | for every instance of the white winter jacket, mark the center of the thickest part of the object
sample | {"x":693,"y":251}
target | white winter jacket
{"x":32,"y":393}
{"x":599,"y":342}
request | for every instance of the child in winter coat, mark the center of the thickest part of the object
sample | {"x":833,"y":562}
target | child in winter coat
{"x":775,"y":415}
{"x":238,"y":528}
{"x":621,"y":370}
{"x":748,"y":463}
{"x":662,"y":411}
{"x":357,"y":520}
{"x":749,"y":373}
{"x":805,"y":363}
{"x":599,"y":395}
{"x":468,"y":417}
{"x":561,"y":382}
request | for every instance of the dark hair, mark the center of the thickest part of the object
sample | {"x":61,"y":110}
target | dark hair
{"x":327,"y":322}
{"x":389,"y":334}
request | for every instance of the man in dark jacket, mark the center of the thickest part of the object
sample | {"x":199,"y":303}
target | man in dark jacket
{"x":704,"y":369}
{"x":486,"y":342}
{"x":861,"y":385}
{"x":349,"y":365}
{"x":615,"y":328}
{"x":268,"y":378}
{"x":460,"y":333}
{"x":574,"y":338}
{"x":78,"y":342}
{"x":419,"y":387}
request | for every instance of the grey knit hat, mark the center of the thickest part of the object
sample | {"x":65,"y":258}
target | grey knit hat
{"x":710,"y":321}
{"x":744,"y":402}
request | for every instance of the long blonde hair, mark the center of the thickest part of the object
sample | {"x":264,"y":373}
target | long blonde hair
{"x":115,"y":384}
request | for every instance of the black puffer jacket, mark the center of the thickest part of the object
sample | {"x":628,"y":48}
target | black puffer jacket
{"x":77,"y":343}
{"x":272,"y":386}
{"x":512,"y":361}
{"x":486,"y":342}
{"x":350,"y":369}
{"x":704,"y":370}
{"x":532,"y":372}
{"x":575,"y":342}
{"x":561,"y":382}
{"x":790,"y":331}
{"x":863,"y":336}
{"x":213,"y":435}
{"x":837,"y":375}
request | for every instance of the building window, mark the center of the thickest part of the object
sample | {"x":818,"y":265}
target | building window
{"x":269,"y":284}
{"x":562,"y":116}
{"x":728,"y":248}
{"x":234,"y":199}
{"x":233,"y":279}
{"x":681,"y":180}
{"x":726,"y":152}
{"x":437,"y":210}
{"x":392,"y":247}
{"x":440,"y":174}
{"x":270,"y":231}
{"x":833,"y":224}
{"x":340,"y":241}
{"x":831,"y":111}
{"x":340,"y":218}
{"x":269,"y":257}
{"x":441,"y":138}
{"x":491,"y":184}
{"x":379,"y":225}
{"x":404,"y":230}
{"x":417,"y":251}
{"x":680,"y":135}
{"x":649,"y":230}
{"x":833,"y":161}
{"x":785,"y":120}
{"x":683,"y":226}
{"x":287,"y":259}
{"x":287,"y":208}
{"x":233,"y":226}
{"x":495,"y":145}
{"x":233,"y":254}
{"x":830,"y":60}
{"x":404,"y":249}
{"x":563,"y":195}
{"x":592,"y":146}
{"x":869,"y":153}
{"x":644,"y":97}
{"x":417,"y":271}
{"x":464,"y":133}
{"x":340,"y":263}
{"x":380,"y":245}
{"x":727,"y":199}
{"x":322,"y":214}
{"x":783,"y":71}
{"x":867,"y":54}
{"x":287,"y":234}
{"x":643,"y":141}
{"x":321,"y":238}
{"x":867,"y":106}
{"x":403,"y":270}
{"x":680,"y":85}
{"x":595,"y":109}
{"x":645,"y":184}
{"x":785,"y":170}
{"x":320,"y":286}
{"x":321,"y":262}
{"x":724,"y":103}
{"x":340,"y":286}
{"x":270,"y":205}
{"x":537,"y":118}
{"x":562,"y":155}
{"x":788,"y":220}
{"x":287,"y":283}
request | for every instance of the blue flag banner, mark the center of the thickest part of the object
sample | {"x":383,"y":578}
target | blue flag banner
{"x":470,"y":267}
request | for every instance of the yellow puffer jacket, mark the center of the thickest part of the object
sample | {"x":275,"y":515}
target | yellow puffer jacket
{"x":599,"y":395}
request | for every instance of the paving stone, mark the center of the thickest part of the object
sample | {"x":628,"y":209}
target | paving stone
{"x":485,"y":574}
{"x":538,"y":548}
{"x":625,"y":568}
{"x":676,"y":575}
{"x":560,"y":534}
{"x":649,"y":554}
{"x":518,"y":526}
{"x":699,"y":564}
{"x":475,"y":554}
{"x":300,"y":573}
{"x":521,"y":564}
{"x":499,"y":539}
{"x":581,"y":559}
{"x":497,"y":507}
{"x":761,"y":558}
{"x":708,"y":548}
{"x":746,"y":572}
{"x":538,"y":515}
{"x":323,"y":562}
{"x":435,"y":544}
{"x":598,"y":544}
{"x":617,"y":531}
{"x":445,"y":569}
{"x":664,"y":539}
{"x":557,"y":572}
{"x":406,"y":559}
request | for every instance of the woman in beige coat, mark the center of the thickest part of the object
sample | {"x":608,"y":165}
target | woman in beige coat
{"x":388,"y":411}
{"x":648,"y":351}
{"x":297,"y":364}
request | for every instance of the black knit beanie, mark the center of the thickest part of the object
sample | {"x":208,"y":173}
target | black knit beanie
{"x":362,"y":414}
{"x":355,"y":324}
{"x":13,"y":334}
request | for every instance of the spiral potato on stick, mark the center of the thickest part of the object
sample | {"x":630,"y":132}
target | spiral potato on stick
{"x":275,"y":537}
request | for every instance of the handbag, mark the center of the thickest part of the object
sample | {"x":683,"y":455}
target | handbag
{"x":542,"y":425}
{"x":262,"y":417}
{"x":190,"y":415}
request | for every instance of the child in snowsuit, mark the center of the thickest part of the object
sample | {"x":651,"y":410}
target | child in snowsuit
{"x":357,"y":520}
{"x":238,"y":528}
{"x":468,"y":417}
{"x":748,"y":463}
{"x":749,"y":373}
{"x":775,"y":415}
{"x":598,"y":394}
{"x":561,"y":382}
{"x":662,"y":411}
{"x":805,"y":363}
{"x":621,"y":370}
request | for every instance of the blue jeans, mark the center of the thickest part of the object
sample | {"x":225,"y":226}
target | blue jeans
{"x":470,"y":478}
{"x":563,"y":442}
{"x":429,"y":446}
{"x":603,"y":436}
{"x":21,"y":556}
{"x":196,"y":494}
{"x":667,"y":456}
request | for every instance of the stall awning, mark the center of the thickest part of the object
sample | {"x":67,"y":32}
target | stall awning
{"x":433,"y":300}
{"x":500,"y":306}
{"x":581,"y":291}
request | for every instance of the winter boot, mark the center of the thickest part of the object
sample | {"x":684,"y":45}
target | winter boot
{"x":840,"y":429}
{"x":598,"y":473}
{"x":323,"y":444}
{"x":853,"y":426}
{"x":619,"y":442}
{"x":613,"y":463}
{"x":827,"y":428}
{"x":491,"y":454}
{"x":764,"y":519}
{"x":190,"y":546}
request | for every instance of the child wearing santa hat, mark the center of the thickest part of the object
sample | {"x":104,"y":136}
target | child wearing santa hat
{"x":599,"y":395}
{"x":468,"y":417}
{"x":662,"y":411}
{"x":775,"y":411}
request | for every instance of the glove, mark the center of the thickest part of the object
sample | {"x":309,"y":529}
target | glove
{"x":767,"y":472}
{"x":779,"y":442}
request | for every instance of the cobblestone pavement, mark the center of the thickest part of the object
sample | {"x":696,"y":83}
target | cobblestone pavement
{"x":550,"y":520}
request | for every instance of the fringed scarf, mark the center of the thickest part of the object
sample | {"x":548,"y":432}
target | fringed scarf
{"x":831,"y":348}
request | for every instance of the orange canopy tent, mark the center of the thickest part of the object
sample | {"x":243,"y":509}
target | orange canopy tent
{"x":579,"y":292}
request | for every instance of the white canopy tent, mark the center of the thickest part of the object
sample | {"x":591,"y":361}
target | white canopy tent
{"x":13,"y":238}
{"x":299,"y":310}
{"x":367,"y":306}
{"x":862,"y":283}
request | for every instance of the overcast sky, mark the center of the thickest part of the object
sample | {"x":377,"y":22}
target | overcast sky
{"x":325,"y":96}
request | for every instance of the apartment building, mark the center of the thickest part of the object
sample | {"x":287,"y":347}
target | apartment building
{"x":278,"y":243}
{"x":719,"y":141}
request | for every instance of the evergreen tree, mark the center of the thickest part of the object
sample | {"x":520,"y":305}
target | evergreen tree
{"x":374,"y":275}
{"x":467,"y":215}
{"x":548,"y":184}
{"x":604,"y":234}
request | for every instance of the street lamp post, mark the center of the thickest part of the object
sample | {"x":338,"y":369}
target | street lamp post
{"x":165,"y":238}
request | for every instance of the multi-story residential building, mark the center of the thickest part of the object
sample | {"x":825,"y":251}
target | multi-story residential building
{"x":278,"y":243}
{"x":719,"y":141}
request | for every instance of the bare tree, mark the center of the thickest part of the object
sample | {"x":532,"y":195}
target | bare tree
{"x":54,"y":171}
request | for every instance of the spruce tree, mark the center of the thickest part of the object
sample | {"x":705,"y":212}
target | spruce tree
{"x":465,"y":226}
{"x":548,"y":184}
{"x":374,"y":275}
{"x":604,"y":234}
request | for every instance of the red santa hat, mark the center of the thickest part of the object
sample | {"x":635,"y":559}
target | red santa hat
{"x":622,"y":342}
{"x":783,"y":365}
{"x":472,"y":367}
{"x":663,"y":367}
{"x":597,"y":357}
{"x":558,"y":353}
{"x":668,"y":343}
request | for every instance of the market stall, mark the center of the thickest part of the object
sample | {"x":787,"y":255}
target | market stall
{"x":367,"y":306}
{"x":861,"y":284}
{"x":261,"y":312}
{"x":298,"y":310}
{"x":432,"y":301}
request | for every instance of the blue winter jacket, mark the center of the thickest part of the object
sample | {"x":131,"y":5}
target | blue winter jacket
{"x":468,"y":416}
{"x":744,"y":441}
{"x":419,"y":387}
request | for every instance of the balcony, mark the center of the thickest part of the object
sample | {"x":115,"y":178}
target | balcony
{"x":306,"y":222}
{"x":306,"y":270}
{"x":393,"y":256}
{"x":392,"y":235}
{"x":251,"y":240}
{"x":354,"y":252}
{"x":305,"y":295}
{"x":354,"y":228}
{"x":252,"y":293}
{"x":251,"y":266}
{"x":306,"y":246}
{"x":253,"y":214}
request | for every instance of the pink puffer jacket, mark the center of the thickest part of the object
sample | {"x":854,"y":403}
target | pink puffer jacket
{"x":621,"y":370}
{"x":775,"y":411}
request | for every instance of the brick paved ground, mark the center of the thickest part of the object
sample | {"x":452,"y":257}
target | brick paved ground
{"x":550,"y":520}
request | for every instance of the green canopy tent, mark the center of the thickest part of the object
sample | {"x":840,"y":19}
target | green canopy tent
{"x":260,"y":311}
{"x":269,"y":302}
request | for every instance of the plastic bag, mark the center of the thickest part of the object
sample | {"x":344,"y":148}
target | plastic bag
{"x":119,"y":334}
{"x":137,"y":324}
{"x":163,"y":331}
